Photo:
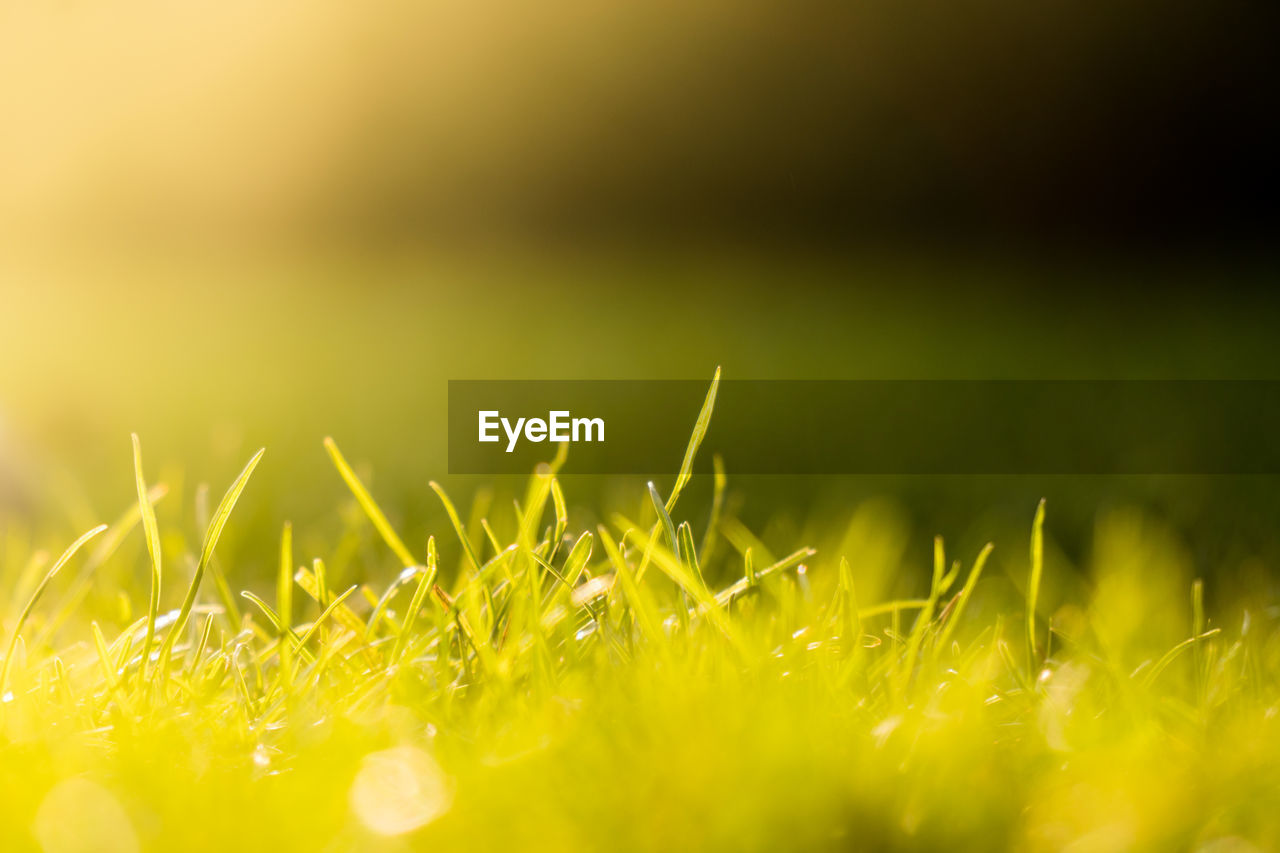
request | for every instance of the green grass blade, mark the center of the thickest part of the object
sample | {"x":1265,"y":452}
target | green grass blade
{"x":200,"y":646}
{"x":369,"y":506}
{"x":284,"y":597}
{"x":562,"y":519}
{"x":664,"y":517}
{"x":225,"y":507}
{"x":35,"y":597}
{"x":924,"y":619}
{"x":282,"y":630}
{"x":688,"y":554}
{"x":1172,"y":654}
{"x":322,"y":582}
{"x":574,"y":564}
{"x":211,"y":537}
{"x":302,"y":641}
{"x":1033,"y":584}
{"x":101,"y":553}
{"x":727,"y":595}
{"x":579,"y":554}
{"x":700,"y":428}
{"x":966,"y":592}
{"x":226,"y":596}
{"x":378,"y":615}
{"x":457,"y":525}
{"x":346,"y":618}
{"x":719,"y":481}
{"x":894,"y":606}
{"x":419,"y":599}
{"x":641,"y":604}
{"x":152,"y":532}
{"x":850,"y":618}
{"x":686,"y":580}
{"x":110,"y":672}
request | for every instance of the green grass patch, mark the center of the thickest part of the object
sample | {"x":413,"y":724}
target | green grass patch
{"x":656,"y":681}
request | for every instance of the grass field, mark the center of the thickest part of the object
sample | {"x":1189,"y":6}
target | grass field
{"x":640,"y":684}
{"x":291,"y":226}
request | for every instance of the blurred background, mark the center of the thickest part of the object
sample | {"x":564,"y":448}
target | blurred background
{"x":228,"y":225}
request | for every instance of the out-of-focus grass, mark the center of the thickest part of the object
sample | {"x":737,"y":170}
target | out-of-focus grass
{"x":635,"y":684}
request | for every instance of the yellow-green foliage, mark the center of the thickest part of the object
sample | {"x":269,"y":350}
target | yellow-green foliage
{"x":591,"y":689}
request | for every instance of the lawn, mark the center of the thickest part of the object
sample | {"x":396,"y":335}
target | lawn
{"x":641,"y":681}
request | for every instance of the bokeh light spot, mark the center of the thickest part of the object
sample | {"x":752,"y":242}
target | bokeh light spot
{"x":78,"y":815}
{"x":399,"y":790}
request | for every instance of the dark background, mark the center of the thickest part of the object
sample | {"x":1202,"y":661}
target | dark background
{"x":1130,"y":125}
{"x":1063,"y":126}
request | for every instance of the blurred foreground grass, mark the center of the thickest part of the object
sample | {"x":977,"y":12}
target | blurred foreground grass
{"x":640,"y":684}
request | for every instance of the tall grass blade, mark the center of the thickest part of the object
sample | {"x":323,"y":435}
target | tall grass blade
{"x":457,"y":525}
{"x":700,"y":428}
{"x":562,"y":519}
{"x":369,"y":505}
{"x":419,"y":599}
{"x":966,"y":593}
{"x":641,"y":604}
{"x":664,"y":517}
{"x":152,"y":532}
{"x":1033,"y":584}
{"x":35,"y":597}
{"x":850,"y":619}
{"x":284,"y":598}
{"x":211,"y":537}
{"x":688,"y":554}
{"x":719,"y":481}
{"x":101,"y":553}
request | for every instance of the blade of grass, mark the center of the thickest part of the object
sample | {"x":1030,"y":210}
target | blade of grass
{"x":850,"y":618}
{"x":110,"y":673}
{"x":200,"y":646}
{"x":211,"y":537}
{"x":683,"y":578}
{"x":102,"y":552}
{"x":729,"y":593}
{"x":562,"y":519}
{"x":579,"y":554}
{"x":315,"y":626}
{"x":273,"y":618}
{"x":688,"y":555}
{"x":228,"y":598}
{"x":322,"y":582}
{"x":925,"y":618}
{"x":893,"y":607}
{"x":35,"y":597}
{"x":345,"y":616}
{"x":641,"y":604}
{"x":369,"y":505}
{"x":457,"y":525}
{"x":1033,"y":584}
{"x":664,"y":517}
{"x":284,"y":598}
{"x":717,"y":507}
{"x":966,"y":592}
{"x":700,"y":428}
{"x":419,"y":598}
{"x":574,"y":564}
{"x":379,"y":614}
{"x":484,"y":651}
{"x":152,"y":531}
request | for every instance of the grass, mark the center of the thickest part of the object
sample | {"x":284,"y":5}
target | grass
{"x":628,"y":685}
